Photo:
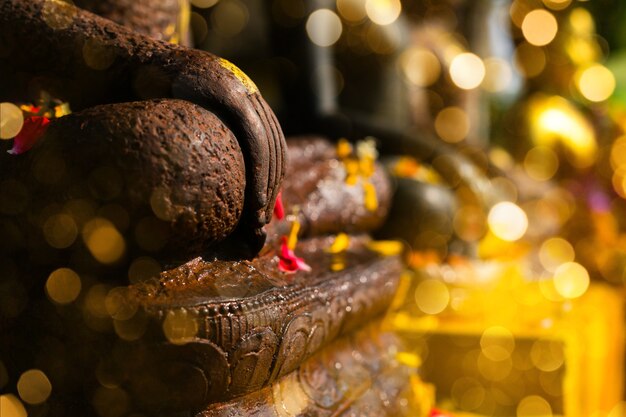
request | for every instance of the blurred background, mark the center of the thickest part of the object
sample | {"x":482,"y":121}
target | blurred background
{"x":502,"y":123}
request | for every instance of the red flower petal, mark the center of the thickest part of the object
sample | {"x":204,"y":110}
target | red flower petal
{"x":279,"y":209}
{"x":30,"y":108}
{"x":438,"y":413}
{"x":289,"y":262}
{"x":287,"y":265}
{"x":33,"y":129}
{"x":302,"y":266}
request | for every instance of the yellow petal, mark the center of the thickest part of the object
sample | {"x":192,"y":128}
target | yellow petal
{"x":293,"y":235}
{"x":352,"y":166}
{"x":371,"y":200}
{"x":344,"y":148}
{"x":409,"y":359}
{"x":406,"y":167}
{"x":386,"y":247}
{"x":337,"y":266}
{"x":62,"y":110}
{"x":366,"y":167}
{"x":340,"y":244}
{"x":351,"y":179}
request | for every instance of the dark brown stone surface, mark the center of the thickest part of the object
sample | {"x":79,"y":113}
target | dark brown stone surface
{"x":87,"y":60}
{"x":159,"y":19}
{"x":166,"y":160}
{"x":315,"y":184}
{"x":203,"y":332}
{"x":254,"y":323}
{"x":355,"y":376}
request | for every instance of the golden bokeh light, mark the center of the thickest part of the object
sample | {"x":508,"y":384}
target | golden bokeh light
{"x":547,"y":354}
{"x":451,"y":48}
{"x":507,"y":221}
{"x":467,"y":393}
{"x":95,"y":301}
{"x":501,"y":158}
{"x":541,"y":163}
{"x":180,"y":326}
{"x":81,"y":210}
{"x":11,"y":406}
{"x":582,"y":21}
{"x":497,"y":343}
{"x":117,"y":304}
{"x":229,"y":18}
{"x":324,"y":27}
{"x":470,"y":223}
{"x":551,"y":383}
{"x":557,"y":4}
{"x":383,"y":12}
{"x":420,"y":66}
{"x":103,"y":240}
{"x":11,"y":120}
{"x":199,"y":28}
{"x":498,"y":75}
{"x":571,"y":280}
{"x":111,"y":402}
{"x":473,"y":398}
{"x":618,"y":153}
{"x":596,"y":83}
{"x":619,"y":181}
{"x":98,"y":55}
{"x":63,"y":286}
{"x":539,"y":27}
{"x":505,"y":188}
{"x":583,"y":50}
{"x":204,"y":4}
{"x":467,"y":70}
{"x":555,"y":120}
{"x":161,"y":204}
{"x":529,"y":60}
{"x":143,"y":268}
{"x":548,"y":290}
{"x":534,"y":406}
{"x":518,"y":10}
{"x":452,"y":124}
{"x":58,"y":14}
{"x":34,"y":387}
{"x":432,"y":296}
{"x":352,"y":10}
{"x":106,"y":376}
{"x":383,"y":40}
{"x":60,"y":231}
{"x":554,"y":252}
{"x":494,"y":370}
{"x":132,"y":328}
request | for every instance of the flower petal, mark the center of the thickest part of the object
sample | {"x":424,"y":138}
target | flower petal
{"x":33,"y":129}
{"x":289,"y":262}
{"x":302,"y":266}
{"x":439,"y":413}
{"x":279,"y":208}
{"x":340,"y":244}
{"x":287,"y":265}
